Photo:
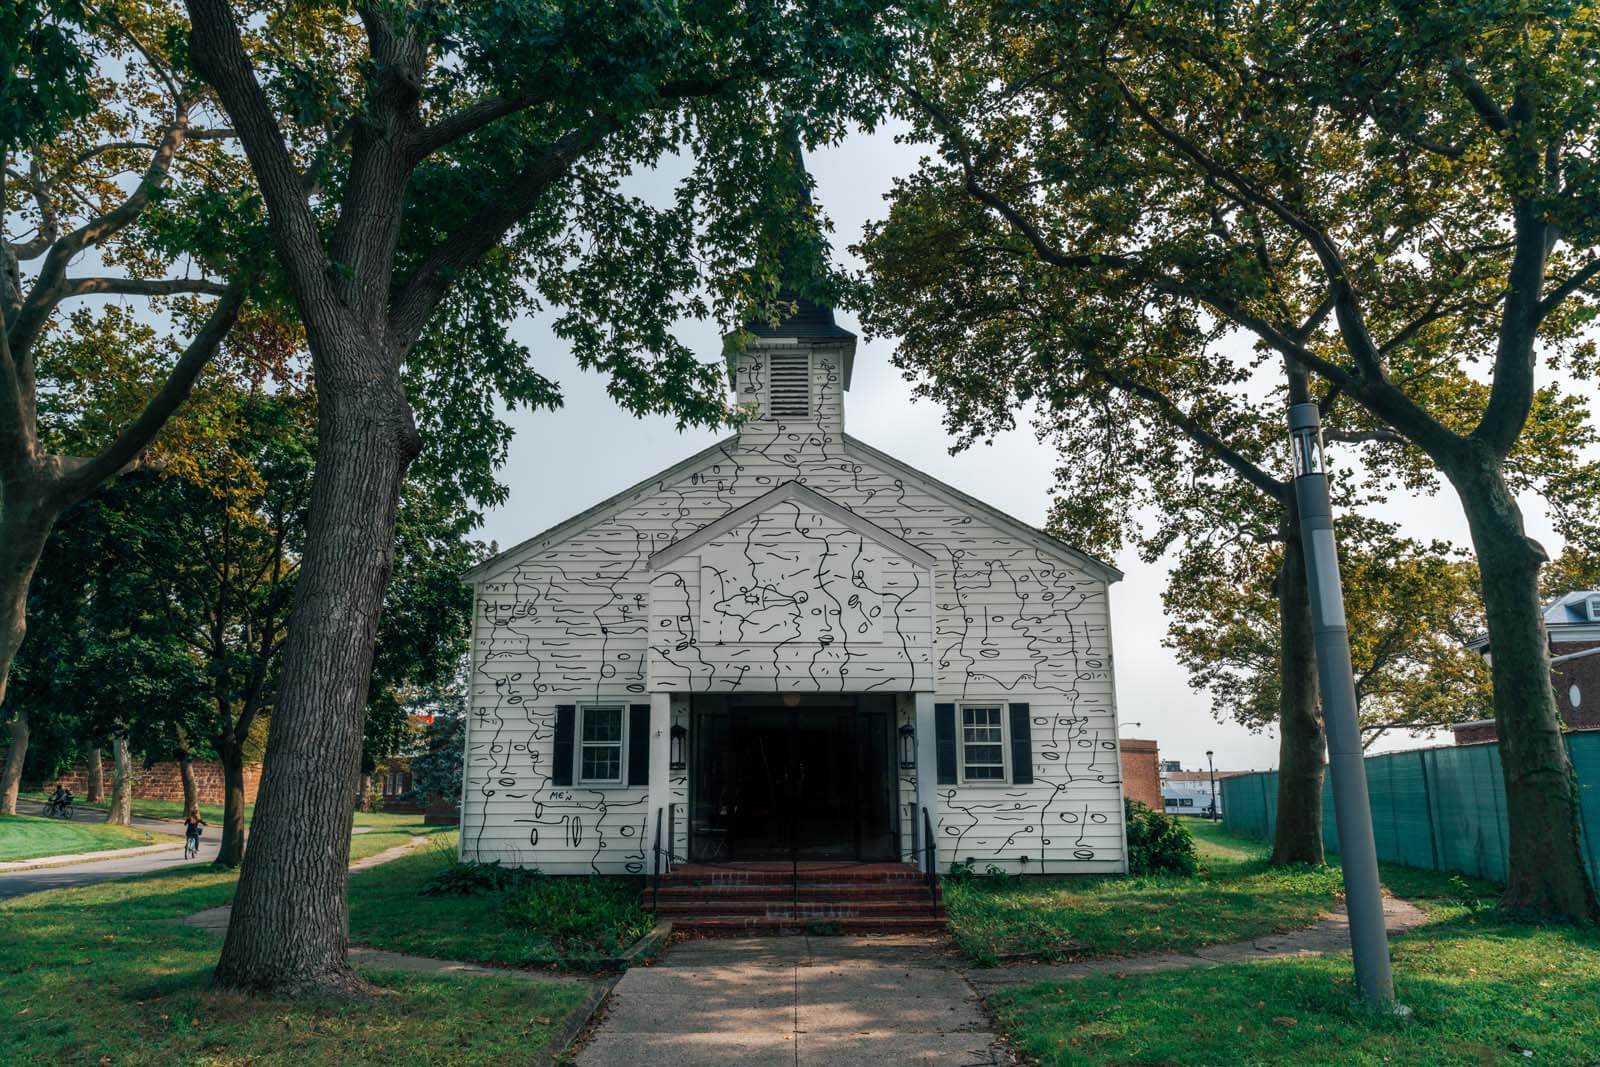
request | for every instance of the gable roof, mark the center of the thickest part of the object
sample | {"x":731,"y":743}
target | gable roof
{"x":956,"y":498}
{"x":582,"y":518}
{"x":933,"y":486}
{"x":804,"y":496}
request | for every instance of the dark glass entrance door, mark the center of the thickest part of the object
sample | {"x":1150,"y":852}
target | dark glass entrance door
{"x":805,"y":783}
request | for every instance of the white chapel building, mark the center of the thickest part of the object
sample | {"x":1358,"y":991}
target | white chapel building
{"x":791,"y":647}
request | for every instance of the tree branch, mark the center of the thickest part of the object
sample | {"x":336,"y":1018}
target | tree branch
{"x":1574,"y":282}
{"x":1210,"y":442}
{"x":141,"y":286}
{"x":218,"y":54}
{"x":474,"y":237}
{"x":138,"y":434}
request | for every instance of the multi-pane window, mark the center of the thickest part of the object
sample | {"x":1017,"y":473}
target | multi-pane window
{"x":600,"y":743}
{"x":983,"y":751}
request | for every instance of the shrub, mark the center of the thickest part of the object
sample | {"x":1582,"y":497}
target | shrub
{"x":463,"y":879}
{"x":581,"y":917}
{"x":1158,"y":843}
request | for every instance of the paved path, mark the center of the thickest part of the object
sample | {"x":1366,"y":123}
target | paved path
{"x":16,"y":883}
{"x":796,"y":1000}
{"x":1332,"y":934}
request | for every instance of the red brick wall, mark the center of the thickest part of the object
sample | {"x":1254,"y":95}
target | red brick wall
{"x":1141,"y":772}
{"x":164,"y":781}
{"x":1583,"y":673}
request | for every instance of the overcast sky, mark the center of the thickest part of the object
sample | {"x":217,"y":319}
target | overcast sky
{"x":565,"y":461}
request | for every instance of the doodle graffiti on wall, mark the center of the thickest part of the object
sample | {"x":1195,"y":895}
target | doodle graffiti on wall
{"x":789,"y":600}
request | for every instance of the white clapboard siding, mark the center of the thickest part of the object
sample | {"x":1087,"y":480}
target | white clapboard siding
{"x":1004,"y":617}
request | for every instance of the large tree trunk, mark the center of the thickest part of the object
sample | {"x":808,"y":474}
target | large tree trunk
{"x":1546,"y":871}
{"x":231,"y":850}
{"x":95,"y":772}
{"x":25,"y":523}
{"x":288,"y":933}
{"x":121,"y":782}
{"x":191,"y":791}
{"x":1301,"y":742}
{"x":16,"y":756}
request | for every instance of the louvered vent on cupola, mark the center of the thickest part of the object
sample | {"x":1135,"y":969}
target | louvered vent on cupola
{"x":789,"y":385}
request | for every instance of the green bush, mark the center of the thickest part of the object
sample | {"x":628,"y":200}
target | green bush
{"x":1158,"y":843}
{"x":581,"y":917}
{"x":463,"y":879}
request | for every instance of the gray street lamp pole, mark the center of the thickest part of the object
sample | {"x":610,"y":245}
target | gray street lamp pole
{"x":1369,"y":941}
{"x":1213,"y":765}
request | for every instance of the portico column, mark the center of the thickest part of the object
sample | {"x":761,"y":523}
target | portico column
{"x":927,"y":771}
{"x":660,"y":775}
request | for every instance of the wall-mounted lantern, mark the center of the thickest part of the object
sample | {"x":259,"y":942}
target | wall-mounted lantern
{"x":908,"y":747}
{"x":679,"y":736}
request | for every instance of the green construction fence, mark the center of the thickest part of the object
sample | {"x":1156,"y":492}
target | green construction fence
{"x":1438,"y":808}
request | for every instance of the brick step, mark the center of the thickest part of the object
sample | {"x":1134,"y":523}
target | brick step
{"x":781,"y":874}
{"x":730,"y":908}
{"x":761,"y":924}
{"x":678,"y":890}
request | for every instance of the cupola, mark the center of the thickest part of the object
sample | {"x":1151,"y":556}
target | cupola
{"x":795,"y":371}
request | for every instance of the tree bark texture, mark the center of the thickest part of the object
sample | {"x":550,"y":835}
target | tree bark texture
{"x":191,"y":792}
{"x":1546,"y":873}
{"x":95,"y":772}
{"x":1302,"y":744}
{"x":364,"y":792}
{"x":25,"y":523}
{"x":231,"y":851}
{"x":121,"y":811}
{"x":289,"y":932}
{"x":16,"y":755}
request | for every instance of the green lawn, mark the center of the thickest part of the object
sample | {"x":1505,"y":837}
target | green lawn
{"x":1237,"y":896}
{"x":1481,"y":991}
{"x":388,"y":910}
{"x":26,"y":837}
{"x":105,"y":974}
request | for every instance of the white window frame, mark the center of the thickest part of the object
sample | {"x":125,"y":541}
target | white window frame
{"x":621,"y":707}
{"x":1005,"y":742}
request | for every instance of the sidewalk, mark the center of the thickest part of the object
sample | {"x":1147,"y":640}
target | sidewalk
{"x":1331,"y":934}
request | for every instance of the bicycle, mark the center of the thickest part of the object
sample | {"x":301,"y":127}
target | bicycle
{"x":58,"y":809}
{"x":191,"y":846}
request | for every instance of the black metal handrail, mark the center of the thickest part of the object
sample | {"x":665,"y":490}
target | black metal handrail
{"x":930,"y":860}
{"x":655,"y":885}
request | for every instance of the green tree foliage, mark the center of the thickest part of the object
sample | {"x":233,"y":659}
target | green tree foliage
{"x":1411,"y":608}
{"x":436,"y":770}
{"x":1398,"y":199}
{"x":102,"y":148}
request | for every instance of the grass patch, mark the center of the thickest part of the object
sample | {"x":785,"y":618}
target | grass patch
{"x":1481,"y":990}
{"x":104,"y":973}
{"x":539,"y":922}
{"x":1235,"y":896}
{"x":26,"y":837}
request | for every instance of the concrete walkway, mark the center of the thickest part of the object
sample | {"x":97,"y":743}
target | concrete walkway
{"x":1331,"y":934}
{"x":885,"y":1000}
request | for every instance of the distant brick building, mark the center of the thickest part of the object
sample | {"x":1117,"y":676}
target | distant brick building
{"x":1141,"y":772}
{"x":1573,"y":622}
{"x":164,"y":781}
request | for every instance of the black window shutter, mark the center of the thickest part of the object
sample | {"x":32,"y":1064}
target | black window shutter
{"x":566,"y":728}
{"x":944,"y":733}
{"x":638,"y":744}
{"x":1021,"y":745}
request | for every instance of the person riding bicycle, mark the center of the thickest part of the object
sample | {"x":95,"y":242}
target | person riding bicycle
{"x":192,"y":825}
{"x":61,"y":799}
